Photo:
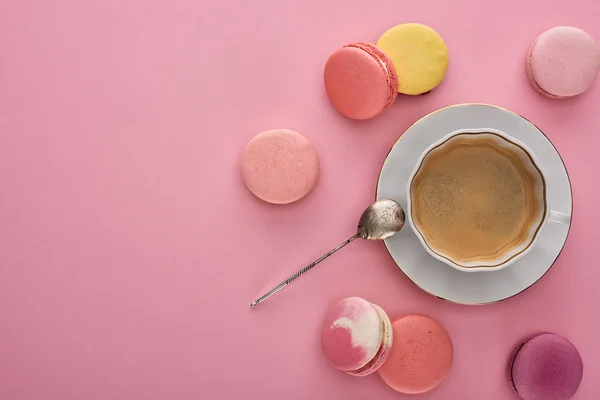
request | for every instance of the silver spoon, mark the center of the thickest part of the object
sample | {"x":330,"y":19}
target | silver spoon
{"x":379,"y":221}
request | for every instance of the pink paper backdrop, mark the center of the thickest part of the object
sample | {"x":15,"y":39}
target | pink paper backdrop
{"x":130,"y":248}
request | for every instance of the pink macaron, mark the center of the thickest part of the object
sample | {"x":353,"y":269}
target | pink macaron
{"x":421,"y":355}
{"x":280,"y":166}
{"x":546,"y":367}
{"x":563,"y":62}
{"x":356,"y":336}
{"x":360,"y":80}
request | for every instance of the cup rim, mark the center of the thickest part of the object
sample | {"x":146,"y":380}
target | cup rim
{"x":446,"y":260}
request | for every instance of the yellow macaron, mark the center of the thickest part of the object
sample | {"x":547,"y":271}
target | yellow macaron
{"x":419,"y":56}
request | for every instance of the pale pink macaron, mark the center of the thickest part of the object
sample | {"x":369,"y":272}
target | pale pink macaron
{"x":360,"y":80}
{"x":280,"y":166}
{"x":421,"y":355}
{"x":356,"y":336}
{"x":563,"y":62}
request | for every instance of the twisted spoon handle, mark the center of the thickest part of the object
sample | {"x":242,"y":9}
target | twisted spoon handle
{"x":299,"y":273}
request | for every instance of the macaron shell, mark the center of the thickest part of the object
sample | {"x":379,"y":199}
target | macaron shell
{"x":360,"y":81}
{"x":564,"y":61}
{"x":546,"y":367}
{"x":385,"y":349}
{"x":421,"y":355}
{"x":534,"y":84}
{"x":280,"y":166}
{"x":387,"y":67}
{"x":352,"y":334}
{"x":419,"y":55}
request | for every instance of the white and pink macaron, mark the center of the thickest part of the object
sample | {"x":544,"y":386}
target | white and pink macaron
{"x":563,"y":62}
{"x":356,"y":336}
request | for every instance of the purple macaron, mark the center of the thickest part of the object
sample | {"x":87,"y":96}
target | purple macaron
{"x":546,"y":367}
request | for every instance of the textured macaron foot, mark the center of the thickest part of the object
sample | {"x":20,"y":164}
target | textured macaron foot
{"x":546,"y":367}
{"x":280,"y":166}
{"x":419,"y":55}
{"x":360,"y":81}
{"x":356,"y":336}
{"x":421,"y":355}
{"x":563,"y":62}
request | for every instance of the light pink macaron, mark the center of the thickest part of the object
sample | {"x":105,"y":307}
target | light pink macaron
{"x":360,"y":80}
{"x":280,"y":166}
{"x":356,"y":336}
{"x":421,"y":355}
{"x":563,"y":62}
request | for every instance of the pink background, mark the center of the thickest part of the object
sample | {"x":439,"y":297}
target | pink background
{"x":130,"y":248}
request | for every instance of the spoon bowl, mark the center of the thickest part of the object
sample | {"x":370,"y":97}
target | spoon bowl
{"x":381,"y":220}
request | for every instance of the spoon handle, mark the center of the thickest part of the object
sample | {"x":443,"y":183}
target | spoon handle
{"x":301,"y":272}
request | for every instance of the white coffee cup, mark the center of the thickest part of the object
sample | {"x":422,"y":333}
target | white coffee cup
{"x":546,"y":214}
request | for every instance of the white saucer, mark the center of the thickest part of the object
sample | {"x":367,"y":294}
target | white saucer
{"x":437,"y":278}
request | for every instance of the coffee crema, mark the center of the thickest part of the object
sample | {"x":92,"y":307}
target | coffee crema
{"x":475,"y":201}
